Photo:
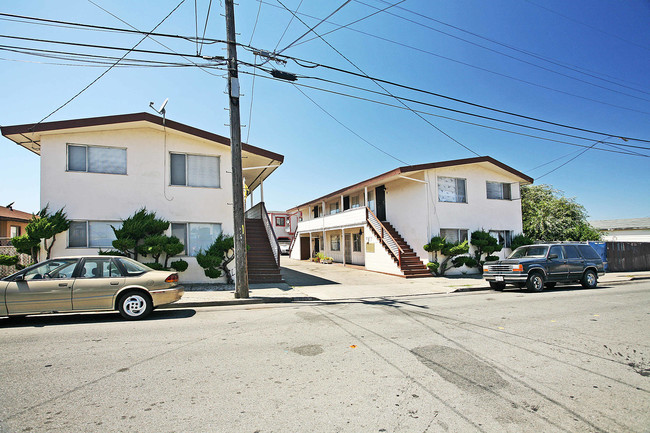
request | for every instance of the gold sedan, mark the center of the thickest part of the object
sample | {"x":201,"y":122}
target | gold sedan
{"x":99,"y":283}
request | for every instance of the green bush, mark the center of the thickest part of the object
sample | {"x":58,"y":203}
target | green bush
{"x":155,"y":266}
{"x":216,"y":258}
{"x":449,"y":250}
{"x":179,"y":265}
{"x":520,"y":241}
{"x":8,"y":260}
{"x":484,"y":243}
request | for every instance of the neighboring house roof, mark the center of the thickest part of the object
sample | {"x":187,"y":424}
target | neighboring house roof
{"x":29,"y":136}
{"x":622,"y":224}
{"x":401,"y":171}
{"x":9,"y":214}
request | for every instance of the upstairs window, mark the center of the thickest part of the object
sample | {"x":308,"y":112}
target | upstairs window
{"x":96,"y":159}
{"x":354,"y":201}
{"x":335,"y":207}
{"x":498,"y":191}
{"x":280,"y":221}
{"x":452,"y":190}
{"x":194,"y":170}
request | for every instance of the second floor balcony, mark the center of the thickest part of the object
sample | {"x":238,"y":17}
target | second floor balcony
{"x":347,"y":218}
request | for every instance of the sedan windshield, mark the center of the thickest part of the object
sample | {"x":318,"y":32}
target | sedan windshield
{"x":529,"y":251}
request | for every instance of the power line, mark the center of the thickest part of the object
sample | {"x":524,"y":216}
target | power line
{"x":310,"y":29}
{"x":510,"y":77}
{"x":450,"y":118}
{"x":380,"y":86}
{"x":205,"y":26}
{"x":315,"y":64}
{"x":107,"y":70}
{"x":348,"y":128}
{"x":287,"y":27}
{"x":543,"y":58}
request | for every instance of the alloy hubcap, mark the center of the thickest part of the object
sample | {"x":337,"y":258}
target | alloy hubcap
{"x":134,"y":305}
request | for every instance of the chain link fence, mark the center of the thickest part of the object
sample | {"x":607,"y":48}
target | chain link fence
{"x":23,"y":259}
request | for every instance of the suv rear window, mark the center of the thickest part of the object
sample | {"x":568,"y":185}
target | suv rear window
{"x":588,"y":252}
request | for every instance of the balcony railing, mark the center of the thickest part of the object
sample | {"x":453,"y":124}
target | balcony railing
{"x":354,"y":217}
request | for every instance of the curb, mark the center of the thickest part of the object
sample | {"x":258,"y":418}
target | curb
{"x":248,"y":301}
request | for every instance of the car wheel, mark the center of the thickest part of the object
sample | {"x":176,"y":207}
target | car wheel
{"x":550,"y":285}
{"x":134,"y":305}
{"x":497,"y":286}
{"x":589,"y":280}
{"x":535,"y":283}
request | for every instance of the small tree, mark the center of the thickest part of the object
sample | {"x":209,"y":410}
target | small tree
{"x":43,"y":226}
{"x":216,"y":258}
{"x":520,"y":241}
{"x":484,"y":243}
{"x":135,"y":229}
{"x":6,"y":260}
{"x":453,"y":252}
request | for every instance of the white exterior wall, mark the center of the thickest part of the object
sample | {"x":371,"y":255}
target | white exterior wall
{"x":479,"y":213}
{"x":378,"y":260}
{"x":113,"y":197}
{"x":626,"y":236}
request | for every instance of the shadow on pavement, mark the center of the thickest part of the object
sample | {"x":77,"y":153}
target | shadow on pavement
{"x":295,"y":278}
{"x":79,"y":318}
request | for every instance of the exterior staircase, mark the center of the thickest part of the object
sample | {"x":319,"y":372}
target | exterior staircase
{"x":262,"y":264}
{"x":411,"y":265}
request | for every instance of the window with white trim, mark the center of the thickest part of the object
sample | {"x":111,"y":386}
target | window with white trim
{"x":335,"y":242}
{"x":92,"y":234}
{"x":498,"y":191}
{"x":452,"y":190}
{"x":335,"y":207}
{"x":280,"y":221}
{"x":356,"y":242}
{"x":194,"y":170}
{"x":14,"y":231}
{"x":454,"y":235}
{"x":371,"y":200}
{"x":504,"y":237}
{"x":196,"y":237}
{"x":354,"y":201}
{"x":96,"y":159}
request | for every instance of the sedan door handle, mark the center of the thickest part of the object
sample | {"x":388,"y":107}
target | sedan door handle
{"x":114,"y":283}
{"x":63,"y":284}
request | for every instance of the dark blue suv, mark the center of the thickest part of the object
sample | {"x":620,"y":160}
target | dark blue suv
{"x":544,"y":265}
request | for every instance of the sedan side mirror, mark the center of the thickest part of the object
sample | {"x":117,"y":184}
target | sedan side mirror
{"x":20,"y":278}
{"x":552,"y":256}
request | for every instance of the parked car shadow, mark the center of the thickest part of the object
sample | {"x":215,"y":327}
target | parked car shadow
{"x":77,"y":318}
{"x":561,"y":288}
{"x":295,"y":278}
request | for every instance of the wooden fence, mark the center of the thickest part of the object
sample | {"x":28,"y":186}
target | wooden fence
{"x":628,"y":256}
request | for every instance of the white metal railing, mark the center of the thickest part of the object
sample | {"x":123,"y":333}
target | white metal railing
{"x":386,"y":238}
{"x":337,"y":220}
{"x":259,"y":212}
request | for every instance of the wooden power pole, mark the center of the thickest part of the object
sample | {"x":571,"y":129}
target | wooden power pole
{"x":241,"y":267}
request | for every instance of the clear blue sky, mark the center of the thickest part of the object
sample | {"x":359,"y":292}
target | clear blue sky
{"x":604,"y":45}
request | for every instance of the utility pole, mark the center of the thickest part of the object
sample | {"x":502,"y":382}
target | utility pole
{"x":241,"y":267}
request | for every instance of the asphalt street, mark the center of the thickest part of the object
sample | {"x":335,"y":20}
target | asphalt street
{"x":564,"y":360}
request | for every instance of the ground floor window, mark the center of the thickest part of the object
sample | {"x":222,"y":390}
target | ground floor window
{"x":504,"y":237}
{"x":356,"y":242}
{"x":196,"y":237}
{"x":454,"y":235}
{"x":92,"y":234}
{"x":335,"y":243}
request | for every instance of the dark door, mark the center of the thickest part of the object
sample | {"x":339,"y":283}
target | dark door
{"x":315,"y":211}
{"x":346,"y":202}
{"x":380,"y":196}
{"x":556,"y":267}
{"x":316,"y":245}
{"x":575,"y":262}
{"x":304,"y":248}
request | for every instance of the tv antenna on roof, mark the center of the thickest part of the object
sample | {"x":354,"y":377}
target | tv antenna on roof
{"x":161,"y":110}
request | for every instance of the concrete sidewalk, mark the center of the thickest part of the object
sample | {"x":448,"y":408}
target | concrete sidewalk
{"x":307,"y":281}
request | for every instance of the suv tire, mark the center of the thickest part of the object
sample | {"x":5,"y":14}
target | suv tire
{"x":589,"y":279}
{"x":535,"y":282}
{"x":497,"y":286}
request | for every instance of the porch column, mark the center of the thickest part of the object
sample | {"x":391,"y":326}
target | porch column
{"x":311,"y":248}
{"x":343,"y":244}
{"x":341,"y":204}
{"x":323,"y":213}
{"x":261,"y":191}
{"x":365,"y":196}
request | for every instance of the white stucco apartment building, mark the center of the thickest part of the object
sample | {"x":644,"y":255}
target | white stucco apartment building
{"x":382,"y":223}
{"x":103,"y":169}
